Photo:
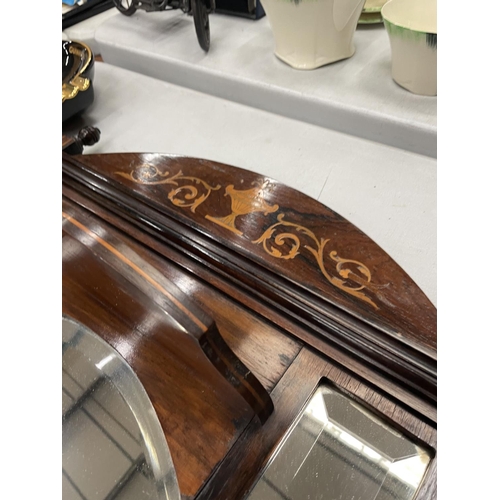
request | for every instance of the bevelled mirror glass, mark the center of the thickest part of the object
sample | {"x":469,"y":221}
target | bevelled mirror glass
{"x":112,"y":443}
{"x":339,"y":450}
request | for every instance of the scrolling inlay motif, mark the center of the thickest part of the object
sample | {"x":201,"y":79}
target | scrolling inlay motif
{"x":353,"y":276}
{"x":351,"y":270}
{"x":151,"y":175}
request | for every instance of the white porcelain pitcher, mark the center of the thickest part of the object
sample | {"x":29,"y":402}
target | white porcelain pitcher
{"x":312,"y":33}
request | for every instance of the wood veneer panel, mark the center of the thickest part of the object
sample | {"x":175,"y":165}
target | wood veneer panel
{"x":327,"y":276}
{"x":192,"y":319}
{"x":192,"y":284}
{"x":249,"y":203}
{"x":389,"y":351}
{"x":266,"y":350}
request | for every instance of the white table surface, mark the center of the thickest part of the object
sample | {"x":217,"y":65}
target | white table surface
{"x":85,"y":30}
{"x":387,"y":192}
{"x":356,"y":96}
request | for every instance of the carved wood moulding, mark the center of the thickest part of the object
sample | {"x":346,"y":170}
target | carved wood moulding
{"x":279,"y":246}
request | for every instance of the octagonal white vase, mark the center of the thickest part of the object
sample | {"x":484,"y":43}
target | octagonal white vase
{"x":311,"y":33}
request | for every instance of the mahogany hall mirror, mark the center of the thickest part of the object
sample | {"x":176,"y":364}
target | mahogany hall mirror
{"x":285,"y":354}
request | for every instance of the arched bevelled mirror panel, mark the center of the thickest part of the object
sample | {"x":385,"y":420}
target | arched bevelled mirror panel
{"x":112,"y":443}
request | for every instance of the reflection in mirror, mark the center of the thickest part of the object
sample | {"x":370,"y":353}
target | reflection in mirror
{"x":338,"y":450}
{"x":112,"y":443}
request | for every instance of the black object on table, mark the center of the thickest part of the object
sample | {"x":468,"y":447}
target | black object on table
{"x":243,"y":8}
{"x":87,"y":10}
{"x":77,"y":78}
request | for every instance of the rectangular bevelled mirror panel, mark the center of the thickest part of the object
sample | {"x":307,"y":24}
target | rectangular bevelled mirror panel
{"x":339,"y":450}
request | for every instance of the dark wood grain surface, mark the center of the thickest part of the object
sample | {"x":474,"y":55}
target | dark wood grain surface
{"x":296,"y":253}
{"x":199,"y":410}
{"x":388,"y":300}
{"x":206,"y":287}
{"x":140,"y":273}
{"x":298,"y":294}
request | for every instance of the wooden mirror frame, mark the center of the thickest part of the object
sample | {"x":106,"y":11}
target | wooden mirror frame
{"x":293,"y":294}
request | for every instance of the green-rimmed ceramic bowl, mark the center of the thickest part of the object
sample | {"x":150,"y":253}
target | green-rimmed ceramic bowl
{"x":412,"y":29}
{"x":371,"y":13}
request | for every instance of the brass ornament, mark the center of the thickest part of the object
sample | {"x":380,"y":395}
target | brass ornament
{"x":78,"y":83}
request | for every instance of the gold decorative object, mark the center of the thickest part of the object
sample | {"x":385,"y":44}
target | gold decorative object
{"x":76,"y":83}
{"x":243,"y":203}
{"x":71,"y":89}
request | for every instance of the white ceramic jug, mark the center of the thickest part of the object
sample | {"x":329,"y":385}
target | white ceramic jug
{"x":312,"y":33}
